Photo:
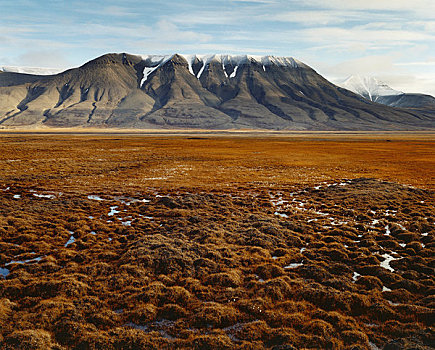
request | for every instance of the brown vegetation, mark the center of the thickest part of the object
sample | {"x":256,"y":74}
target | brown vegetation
{"x":93,"y":256}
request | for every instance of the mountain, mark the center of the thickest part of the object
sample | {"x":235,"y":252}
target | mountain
{"x":195,"y":91}
{"x":368,"y":87}
{"x":377,"y":91}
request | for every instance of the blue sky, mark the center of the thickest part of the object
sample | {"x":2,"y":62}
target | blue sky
{"x":391,"y":40}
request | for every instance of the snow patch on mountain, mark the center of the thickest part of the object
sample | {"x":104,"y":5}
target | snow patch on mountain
{"x":237,"y":60}
{"x":368,"y":87}
{"x":152,"y":62}
{"x":233,"y":74}
{"x":31,"y":70}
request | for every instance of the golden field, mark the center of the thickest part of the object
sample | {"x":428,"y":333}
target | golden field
{"x":133,"y":162}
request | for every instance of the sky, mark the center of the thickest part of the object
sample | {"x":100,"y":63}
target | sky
{"x":392,"y":40}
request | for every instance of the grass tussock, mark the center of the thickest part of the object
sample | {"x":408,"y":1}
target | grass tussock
{"x":217,"y":255}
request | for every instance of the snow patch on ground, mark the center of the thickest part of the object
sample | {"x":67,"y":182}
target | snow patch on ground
{"x":293,"y":265}
{"x":355,"y":276}
{"x":48,"y":196}
{"x":130,"y":200}
{"x":95,"y":198}
{"x":113,"y":210}
{"x":401,"y":226}
{"x":386,"y":263}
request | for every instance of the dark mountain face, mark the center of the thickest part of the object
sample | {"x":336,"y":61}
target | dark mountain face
{"x":419,"y":101}
{"x":214,"y":92}
{"x":13,"y":79}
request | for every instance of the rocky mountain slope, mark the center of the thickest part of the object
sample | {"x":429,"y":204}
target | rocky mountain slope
{"x":208,"y":92}
{"x":377,"y":91}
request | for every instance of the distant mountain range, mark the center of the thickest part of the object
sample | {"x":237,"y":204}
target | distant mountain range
{"x":377,"y":91}
{"x":196,"y":91}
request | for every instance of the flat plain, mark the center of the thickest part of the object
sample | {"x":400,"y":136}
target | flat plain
{"x":217,"y":240}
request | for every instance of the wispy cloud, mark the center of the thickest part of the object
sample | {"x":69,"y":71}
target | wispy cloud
{"x":112,"y":11}
{"x":43,"y":58}
{"x":411,"y":83}
{"x":168,"y":31}
{"x":422,"y":7}
{"x":365,"y":35}
{"x":256,"y":1}
{"x":207,"y":18}
{"x":422,"y":63}
{"x":321,"y":17}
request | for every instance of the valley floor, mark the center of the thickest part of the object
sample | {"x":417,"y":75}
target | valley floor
{"x":217,"y":242}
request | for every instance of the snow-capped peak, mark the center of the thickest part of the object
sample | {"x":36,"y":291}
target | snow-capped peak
{"x":31,"y":70}
{"x":368,"y":87}
{"x":243,"y":59}
{"x":152,"y":62}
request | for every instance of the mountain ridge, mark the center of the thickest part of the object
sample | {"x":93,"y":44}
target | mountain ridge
{"x":377,"y":91}
{"x":195,"y":91}
{"x":368,"y":87}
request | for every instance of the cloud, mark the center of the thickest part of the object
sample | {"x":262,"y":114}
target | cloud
{"x":42,"y":58}
{"x":370,"y":38}
{"x":119,"y":11}
{"x":368,"y":65}
{"x":153,"y":47}
{"x":411,"y":83}
{"x":206,"y":18}
{"x":256,"y":1}
{"x":168,"y":31}
{"x":320,"y":17}
{"x":17,"y":29}
{"x":425,"y":8}
{"x":421,"y":63}
{"x":111,"y":31}
{"x":111,"y":10}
